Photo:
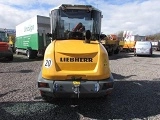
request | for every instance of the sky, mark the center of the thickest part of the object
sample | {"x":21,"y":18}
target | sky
{"x":142,"y":17}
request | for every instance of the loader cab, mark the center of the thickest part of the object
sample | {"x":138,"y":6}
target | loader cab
{"x":75,"y":22}
{"x":3,"y":36}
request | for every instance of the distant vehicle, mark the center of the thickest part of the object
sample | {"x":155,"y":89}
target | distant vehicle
{"x":143,"y":48}
{"x":156,"y":45}
{"x":130,"y":41}
{"x":10,"y":35}
{"x":5,"y":50}
{"x":111,"y":43}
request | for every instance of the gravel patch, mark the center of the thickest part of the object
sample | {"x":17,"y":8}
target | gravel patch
{"x":136,"y":93}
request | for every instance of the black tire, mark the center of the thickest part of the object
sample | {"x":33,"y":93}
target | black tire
{"x":151,"y":54}
{"x":13,"y":49}
{"x":34,"y":53}
{"x":116,"y":51}
{"x":29,"y":54}
{"x":47,"y":98}
{"x":16,"y":51}
{"x":10,"y":58}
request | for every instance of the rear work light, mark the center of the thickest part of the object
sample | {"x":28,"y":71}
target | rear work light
{"x":56,"y":87}
{"x":96,"y":87}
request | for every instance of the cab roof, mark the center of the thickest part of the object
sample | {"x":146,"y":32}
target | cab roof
{"x":75,"y":6}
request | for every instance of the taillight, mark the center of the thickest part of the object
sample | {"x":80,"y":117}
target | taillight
{"x":44,"y":85}
{"x":107,"y":86}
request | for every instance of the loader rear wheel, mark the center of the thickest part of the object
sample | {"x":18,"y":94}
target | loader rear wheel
{"x":47,"y":98}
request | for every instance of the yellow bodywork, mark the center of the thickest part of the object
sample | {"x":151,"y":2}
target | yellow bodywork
{"x":129,"y":44}
{"x":11,"y":39}
{"x":66,"y":58}
{"x":113,"y":42}
{"x":110,"y":42}
{"x":121,"y":43}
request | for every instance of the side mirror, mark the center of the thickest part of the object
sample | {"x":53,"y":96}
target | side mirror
{"x":88,"y":36}
{"x":49,"y":35}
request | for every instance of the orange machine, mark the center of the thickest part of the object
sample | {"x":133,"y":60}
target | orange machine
{"x":111,"y":43}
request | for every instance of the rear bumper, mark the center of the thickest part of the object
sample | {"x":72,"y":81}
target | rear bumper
{"x":61,"y":89}
{"x":143,"y":53}
{"x":4,"y":54}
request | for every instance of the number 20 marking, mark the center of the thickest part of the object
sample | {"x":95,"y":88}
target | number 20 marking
{"x":48,"y":63}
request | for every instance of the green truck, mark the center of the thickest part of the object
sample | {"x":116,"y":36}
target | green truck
{"x":31,"y":36}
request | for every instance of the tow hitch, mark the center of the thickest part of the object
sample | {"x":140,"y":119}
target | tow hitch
{"x":76,"y":87}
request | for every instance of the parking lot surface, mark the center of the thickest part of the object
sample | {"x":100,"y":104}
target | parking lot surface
{"x":136,"y":92}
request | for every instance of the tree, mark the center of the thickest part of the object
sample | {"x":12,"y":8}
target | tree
{"x":153,"y":37}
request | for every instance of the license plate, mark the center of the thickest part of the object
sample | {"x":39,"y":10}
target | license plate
{"x":76,"y":83}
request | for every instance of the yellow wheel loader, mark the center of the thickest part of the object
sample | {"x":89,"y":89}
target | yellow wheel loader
{"x":75,"y":63}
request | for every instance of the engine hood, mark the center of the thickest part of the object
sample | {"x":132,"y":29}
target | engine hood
{"x":69,"y":58}
{"x":75,"y":55}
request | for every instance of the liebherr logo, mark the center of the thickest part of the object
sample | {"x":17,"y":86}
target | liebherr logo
{"x":72,"y":59}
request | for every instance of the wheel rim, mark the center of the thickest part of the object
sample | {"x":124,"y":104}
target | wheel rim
{"x":16,"y":51}
{"x":28,"y":54}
